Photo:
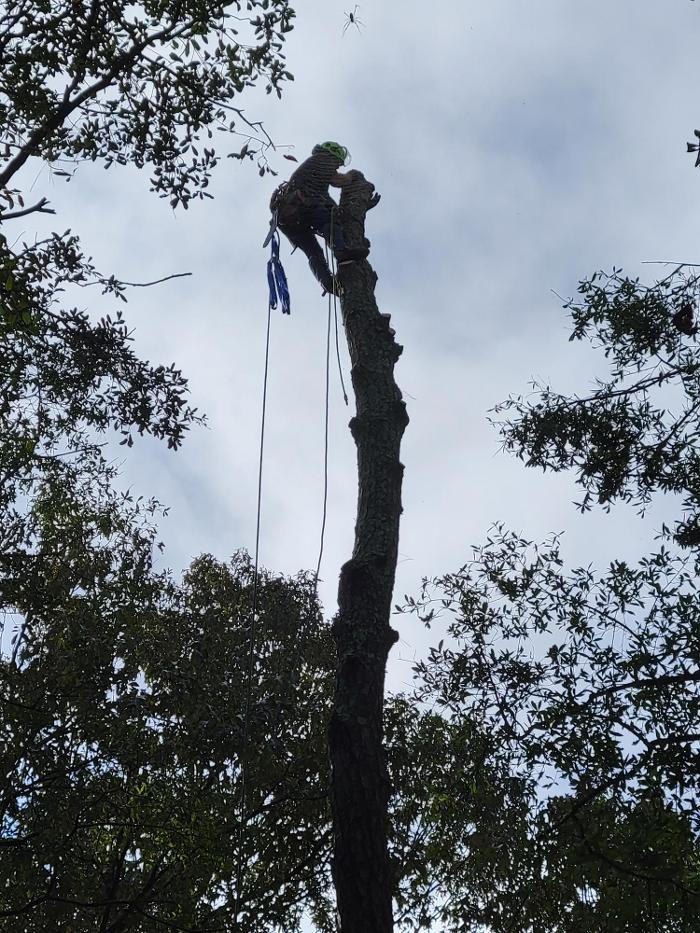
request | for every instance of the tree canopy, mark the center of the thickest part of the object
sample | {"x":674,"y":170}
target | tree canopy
{"x":122,"y":744}
{"x":588,"y":679}
{"x":634,"y":434}
{"x":101,"y":80}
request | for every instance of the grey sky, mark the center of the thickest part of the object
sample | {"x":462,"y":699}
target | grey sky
{"x":517,"y":146}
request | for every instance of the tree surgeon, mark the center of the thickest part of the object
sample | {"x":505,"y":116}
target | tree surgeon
{"x":304,"y":209}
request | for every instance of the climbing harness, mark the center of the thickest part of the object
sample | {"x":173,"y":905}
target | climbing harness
{"x":276,"y":276}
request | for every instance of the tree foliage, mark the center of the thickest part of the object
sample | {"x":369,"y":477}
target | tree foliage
{"x":635,"y":433}
{"x":588,"y":684}
{"x":122,"y":702}
{"x":64,"y":381}
{"x":122,"y":745}
{"x":458,"y":816}
{"x":587,"y":681}
{"x":108,"y":81}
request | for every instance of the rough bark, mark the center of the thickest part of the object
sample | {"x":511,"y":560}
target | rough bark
{"x":360,"y":786}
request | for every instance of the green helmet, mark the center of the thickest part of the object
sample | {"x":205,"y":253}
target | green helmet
{"x":340,"y":152}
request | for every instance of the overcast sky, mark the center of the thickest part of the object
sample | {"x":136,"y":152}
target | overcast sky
{"x":518,"y":146}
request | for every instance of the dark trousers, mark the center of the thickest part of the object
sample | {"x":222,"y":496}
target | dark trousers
{"x":323,"y":219}
{"x":301,"y":225}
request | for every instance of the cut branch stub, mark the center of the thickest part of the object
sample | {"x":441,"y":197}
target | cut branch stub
{"x":363,"y":635}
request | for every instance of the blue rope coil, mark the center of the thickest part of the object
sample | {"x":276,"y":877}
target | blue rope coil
{"x":276,"y":277}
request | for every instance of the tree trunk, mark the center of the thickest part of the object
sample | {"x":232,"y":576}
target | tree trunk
{"x":360,"y":785}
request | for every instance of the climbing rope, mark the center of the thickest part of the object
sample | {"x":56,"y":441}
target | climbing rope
{"x":337,"y":347}
{"x":256,"y":575}
{"x":325,"y":442}
{"x":275,"y":278}
{"x":330,"y":261}
{"x":279,"y":296}
{"x":334,"y":274}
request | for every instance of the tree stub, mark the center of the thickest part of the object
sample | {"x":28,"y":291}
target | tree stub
{"x":362,"y":631}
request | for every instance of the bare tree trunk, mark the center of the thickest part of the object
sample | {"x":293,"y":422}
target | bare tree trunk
{"x":360,"y":785}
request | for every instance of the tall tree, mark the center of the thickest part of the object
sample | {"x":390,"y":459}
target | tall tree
{"x":359,"y":786}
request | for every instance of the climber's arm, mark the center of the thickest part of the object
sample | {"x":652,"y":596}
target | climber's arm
{"x":341,"y":181}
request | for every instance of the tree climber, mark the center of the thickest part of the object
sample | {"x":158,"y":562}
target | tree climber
{"x":304,"y":208}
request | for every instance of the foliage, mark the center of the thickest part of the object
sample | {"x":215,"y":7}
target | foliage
{"x":109,"y":81}
{"x":63,"y":381}
{"x":455,"y":815}
{"x":122,"y":695}
{"x":635,"y":434}
{"x":122,"y":742}
{"x":552,"y":785}
{"x":134,"y":83}
{"x":586,"y":682}
{"x":588,"y":686}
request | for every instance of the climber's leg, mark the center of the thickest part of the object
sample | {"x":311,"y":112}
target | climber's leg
{"x":303,"y":238}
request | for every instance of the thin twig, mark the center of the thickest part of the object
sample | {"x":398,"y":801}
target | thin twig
{"x":175,"y":275}
{"x":669,"y":262}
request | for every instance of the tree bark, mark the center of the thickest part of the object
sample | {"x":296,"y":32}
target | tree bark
{"x":360,"y":786}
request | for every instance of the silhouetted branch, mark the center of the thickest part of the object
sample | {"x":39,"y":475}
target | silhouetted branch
{"x":39,"y":207}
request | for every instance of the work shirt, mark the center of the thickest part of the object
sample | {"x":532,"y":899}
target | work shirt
{"x":314,"y":175}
